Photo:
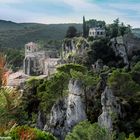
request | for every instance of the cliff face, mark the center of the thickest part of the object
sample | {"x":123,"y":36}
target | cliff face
{"x":111,"y":109}
{"x":71,"y":110}
{"x":68,"y":112}
{"x":73,"y":47}
{"x":124,"y":46}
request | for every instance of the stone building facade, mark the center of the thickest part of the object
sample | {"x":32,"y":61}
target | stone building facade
{"x":38,"y":62}
{"x":97,"y":32}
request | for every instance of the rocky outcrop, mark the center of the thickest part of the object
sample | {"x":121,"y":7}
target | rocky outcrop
{"x":40,"y":120}
{"x":111,"y":109}
{"x":98,"y":66}
{"x":124,"y":46}
{"x":68,"y":112}
{"x":73,"y":47}
{"x":120,"y":48}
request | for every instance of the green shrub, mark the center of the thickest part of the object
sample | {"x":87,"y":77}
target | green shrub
{"x":88,"y":79}
{"x":9,"y":105}
{"x":122,"y":83}
{"x":27,"y":133}
{"x":68,"y":67}
{"x":87,"y":131}
{"x":132,"y":137}
{"x":135,"y":72}
{"x":52,"y":89}
{"x":136,"y":67}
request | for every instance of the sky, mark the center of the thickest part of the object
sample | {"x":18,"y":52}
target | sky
{"x":70,"y":11}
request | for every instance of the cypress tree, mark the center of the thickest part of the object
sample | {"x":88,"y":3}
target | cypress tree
{"x":84,"y":27}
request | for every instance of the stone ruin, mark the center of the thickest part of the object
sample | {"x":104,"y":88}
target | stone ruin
{"x":38,"y":62}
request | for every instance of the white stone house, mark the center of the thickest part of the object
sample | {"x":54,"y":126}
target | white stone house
{"x":97,"y":32}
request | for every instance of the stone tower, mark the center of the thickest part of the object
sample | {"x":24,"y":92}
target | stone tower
{"x":30,"y":48}
{"x":34,"y":60}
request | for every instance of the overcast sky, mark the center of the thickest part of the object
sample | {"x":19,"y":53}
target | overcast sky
{"x":70,"y":11}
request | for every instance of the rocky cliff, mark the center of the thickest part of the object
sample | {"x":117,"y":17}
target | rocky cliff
{"x":125,"y":46}
{"x":73,"y":47}
{"x":111,"y":109}
{"x":68,"y":112}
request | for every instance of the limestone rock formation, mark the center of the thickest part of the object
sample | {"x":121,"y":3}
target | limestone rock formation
{"x":40,"y":120}
{"x":98,"y":66}
{"x":68,"y":112}
{"x":124,"y":46}
{"x":72,"y":47}
{"x":111,"y":109}
{"x":120,"y":48}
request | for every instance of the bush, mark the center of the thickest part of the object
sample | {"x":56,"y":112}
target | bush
{"x":100,"y":49}
{"x":9,"y":105}
{"x":87,"y":131}
{"x":136,"y":73}
{"x":122,"y":83}
{"x":71,"y":32}
{"x":132,"y":137}
{"x":88,"y":79}
{"x":122,"y":136}
{"x":27,"y":133}
{"x":68,"y":67}
{"x":51,"y":90}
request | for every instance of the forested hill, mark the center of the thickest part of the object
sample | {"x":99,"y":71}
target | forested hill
{"x":17,"y":34}
{"x":136,"y":31}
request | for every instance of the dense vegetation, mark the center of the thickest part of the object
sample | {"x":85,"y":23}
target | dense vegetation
{"x":100,"y":49}
{"x":27,"y":133}
{"x":136,"y":31}
{"x":16,"y":35}
{"x":44,"y":93}
{"x":87,"y":131}
{"x":19,"y":111}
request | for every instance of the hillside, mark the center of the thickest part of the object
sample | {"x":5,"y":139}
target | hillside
{"x":15,"y":35}
{"x":136,"y":31}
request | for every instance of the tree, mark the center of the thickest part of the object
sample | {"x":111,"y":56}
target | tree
{"x":50,"y":90}
{"x":135,"y":72}
{"x":123,"y":83}
{"x":71,"y":32}
{"x":68,"y":67}
{"x":87,"y":131}
{"x":100,"y":49}
{"x":84,"y":27}
{"x":28,"y":133}
{"x":117,"y":29}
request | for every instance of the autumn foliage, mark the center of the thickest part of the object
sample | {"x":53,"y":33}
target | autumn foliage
{"x":3,"y":71}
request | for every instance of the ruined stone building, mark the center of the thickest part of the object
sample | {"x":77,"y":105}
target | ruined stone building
{"x":38,"y":62}
{"x":97,"y":32}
